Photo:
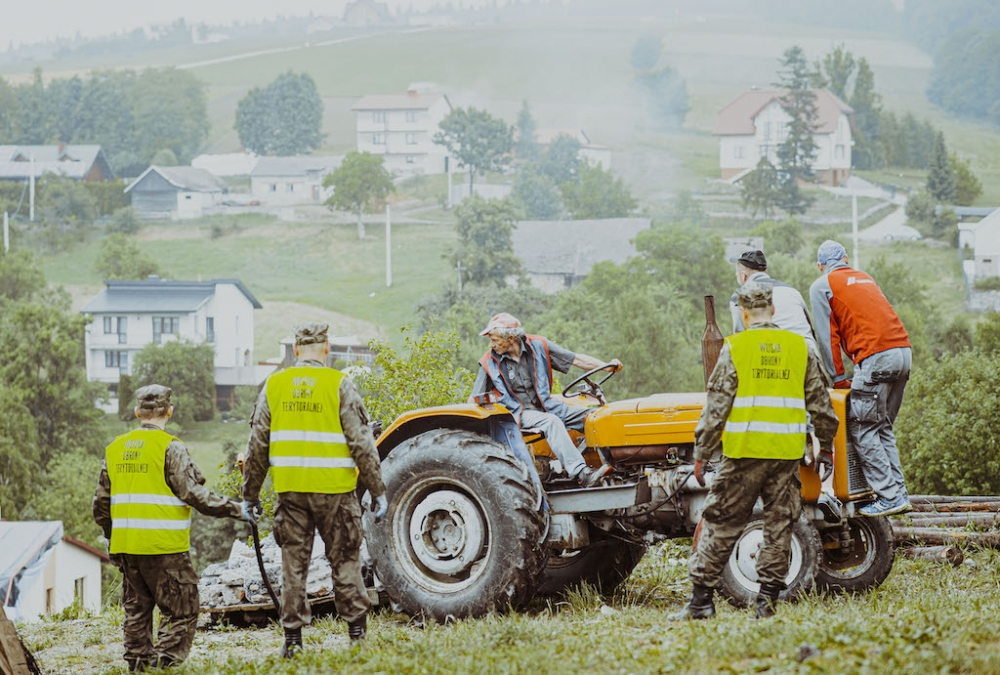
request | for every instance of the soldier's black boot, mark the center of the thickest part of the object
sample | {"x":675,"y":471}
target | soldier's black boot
{"x":293,"y":643}
{"x":138,"y":665}
{"x":357,"y":630}
{"x":700,"y":606}
{"x":767,"y":598}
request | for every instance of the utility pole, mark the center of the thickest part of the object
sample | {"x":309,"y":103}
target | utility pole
{"x":6,"y":233}
{"x":388,"y":247}
{"x":31,"y":190}
{"x":855,"y":258}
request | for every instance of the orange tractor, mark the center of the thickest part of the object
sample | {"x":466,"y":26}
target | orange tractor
{"x":478,"y":520}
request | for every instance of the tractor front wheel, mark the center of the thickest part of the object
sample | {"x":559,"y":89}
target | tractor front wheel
{"x":864,"y":563}
{"x":604,"y":564}
{"x":463,"y":534}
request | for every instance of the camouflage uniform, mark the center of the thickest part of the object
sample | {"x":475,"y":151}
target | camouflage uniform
{"x":167,"y":581}
{"x":739,"y":482}
{"x":300,"y":514}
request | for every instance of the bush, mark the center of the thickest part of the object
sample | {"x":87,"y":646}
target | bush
{"x":987,"y":284}
{"x":186,"y":368}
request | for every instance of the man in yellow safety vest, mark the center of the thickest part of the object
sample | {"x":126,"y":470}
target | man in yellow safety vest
{"x":310,"y":427}
{"x":147,"y":486}
{"x":763,"y":383}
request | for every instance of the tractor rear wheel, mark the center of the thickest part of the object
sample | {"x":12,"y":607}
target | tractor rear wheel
{"x":862,"y":566}
{"x":463,"y":534}
{"x":739,"y":578}
{"x":604,"y":564}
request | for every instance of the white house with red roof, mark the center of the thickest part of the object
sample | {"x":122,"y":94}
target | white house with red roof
{"x":754,"y":125}
{"x":401,"y":128}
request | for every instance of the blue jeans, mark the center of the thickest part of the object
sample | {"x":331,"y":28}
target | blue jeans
{"x":558,"y":438}
{"x":876,"y":395}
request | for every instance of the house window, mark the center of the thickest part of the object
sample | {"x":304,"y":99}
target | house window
{"x":738,"y":151}
{"x":164,"y":325}
{"x":210,"y":328}
{"x":117,"y":360}
{"x":410,"y":159}
{"x":78,"y":592}
{"x":378,"y":139}
{"x":411,"y":115}
{"x":411,"y":138}
{"x":274,"y":187}
{"x":767,"y":131}
{"x":378,"y":116}
{"x":116,"y":325}
{"x":290,"y":187}
{"x":782,"y":131}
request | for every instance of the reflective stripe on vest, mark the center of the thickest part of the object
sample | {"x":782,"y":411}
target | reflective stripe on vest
{"x":147,"y":518}
{"x":768,"y":417}
{"x":308,"y":451}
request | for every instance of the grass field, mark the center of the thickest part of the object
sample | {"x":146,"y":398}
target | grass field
{"x":926,"y":618}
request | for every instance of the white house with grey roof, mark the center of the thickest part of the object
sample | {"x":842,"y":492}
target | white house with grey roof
{"x":286,"y":181}
{"x":400,"y":128}
{"x":129,"y":315}
{"x":559,"y":254}
{"x":176,"y":193}
{"x":85,"y":163}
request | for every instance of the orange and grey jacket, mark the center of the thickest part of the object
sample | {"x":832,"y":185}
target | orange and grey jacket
{"x":850,"y":312}
{"x":541,"y":363}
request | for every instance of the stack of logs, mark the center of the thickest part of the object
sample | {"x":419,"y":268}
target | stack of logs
{"x":937,"y":523}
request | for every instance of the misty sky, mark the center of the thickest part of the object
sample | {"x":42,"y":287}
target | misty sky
{"x":27,"y":21}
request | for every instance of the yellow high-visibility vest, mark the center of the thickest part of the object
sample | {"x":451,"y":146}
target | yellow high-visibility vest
{"x":147,"y":518}
{"x":308,"y":451}
{"x":768,"y":418}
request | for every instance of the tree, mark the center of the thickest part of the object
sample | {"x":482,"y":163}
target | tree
{"x":37,"y":118}
{"x":761,"y":189}
{"x":537,"y":195}
{"x":186,"y":368}
{"x":965,"y":79}
{"x":65,"y":493}
{"x":526,"y":147}
{"x":105,"y":118}
{"x":164,"y":157}
{"x":283,"y":118}
{"x":941,"y":182}
{"x":949,"y":428}
{"x":666,"y":97}
{"x":783,"y":236}
{"x":666,"y":252}
{"x":20,"y":276}
{"x":360,"y":182}
{"x":598,"y":194}
{"x":9,"y":113}
{"x":477,"y":140}
{"x":121,"y":258}
{"x":967,"y":186}
{"x":168,"y":111}
{"x":687,"y":209}
{"x":867,"y":105}
{"x":19,"y":454}
{"x":561,"y":161}
{"x":64,"y":99}
{"x":838,"y":66}
{"x":798,"y":151}
{"x":424,"y":373}
{"x":485,"y":252}
{"x":646,"y":52}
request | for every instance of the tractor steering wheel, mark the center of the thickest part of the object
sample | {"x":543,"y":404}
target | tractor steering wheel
{"x":589,"y":387}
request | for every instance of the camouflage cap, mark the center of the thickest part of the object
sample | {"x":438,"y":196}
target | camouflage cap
{"x":754,"y":294}
{"x":309,"y":333}
{"x":153,"y":396}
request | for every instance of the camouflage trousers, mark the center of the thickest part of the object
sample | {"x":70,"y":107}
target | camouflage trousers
{"x":170,"y":583}
{"x":338,"y":519}
{"x":737,"y":485}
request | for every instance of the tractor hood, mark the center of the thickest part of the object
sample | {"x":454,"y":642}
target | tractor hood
{"x":660,"y":419}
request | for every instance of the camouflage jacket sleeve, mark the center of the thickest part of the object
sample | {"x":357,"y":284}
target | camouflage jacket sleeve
{"x":818,"y":401}
{"x":721,"y":390}
{"x":354,"y":421}
{"x":257,"y":460}
{"x":184,"y":478}
{"x":101,"y":506}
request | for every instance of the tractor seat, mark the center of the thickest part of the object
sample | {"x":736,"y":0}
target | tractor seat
{"x":532,"y":434}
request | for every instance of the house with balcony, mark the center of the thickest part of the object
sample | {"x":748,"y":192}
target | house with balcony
{"x":401,"y":128}
{"x":755,"y":124}
{"x":129,"y":315}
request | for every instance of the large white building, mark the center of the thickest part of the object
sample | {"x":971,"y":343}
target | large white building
{"x":129,"y":315}
{"x":754,"y":125}
{"x":400,"y":128}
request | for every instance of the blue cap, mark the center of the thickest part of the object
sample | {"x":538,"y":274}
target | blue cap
{"x":830,"y":251}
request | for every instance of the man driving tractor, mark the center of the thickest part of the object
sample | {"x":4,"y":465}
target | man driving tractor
{"x":519,"y":368}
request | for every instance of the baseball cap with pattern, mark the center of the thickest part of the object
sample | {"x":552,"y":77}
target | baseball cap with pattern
{"x":153,"y":396}
{"x":310,"y":333}
{"x":501,"y":320}
{"x":754,"y":294}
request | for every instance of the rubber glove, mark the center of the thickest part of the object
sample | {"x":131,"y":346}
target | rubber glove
{"x":252,"y":510}
{"x":379,"y":506}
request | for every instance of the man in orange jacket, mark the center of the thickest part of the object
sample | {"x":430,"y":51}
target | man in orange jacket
{"x":851,"y":313}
